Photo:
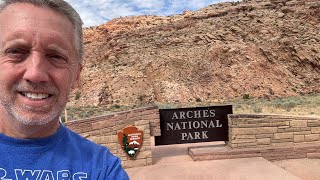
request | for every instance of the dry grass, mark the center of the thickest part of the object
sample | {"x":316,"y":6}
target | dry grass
{"x":298,"y":105}
{"x":307,"y":105}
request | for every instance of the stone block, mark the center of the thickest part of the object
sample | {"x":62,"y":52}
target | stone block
{"x":261,"y":136}
{"x":148,"y":112}
{"x":312,"y":137}
{"x":143,"y":127}
{"x":103,"y":124}
{"x":246,"y":125}
{"x":283,"y":127}
{"x":120,"y":127}
{"x":120,"y":117}
{"x":299,"y":123}
{"x":144,"y":155}
{"x":302,"y":133}
{"x":305,"y":129}
{"x":283,"y":144}
{"x":150,"y":117}
{"x":155,"y":122}
{"x":239,"y":141}
{"x":106,"y":131}
{"x":245,"y":137}
{"x":275,"y":158}
{"x":111,"y":145}
{"x":95,"y":132}
{"x":134,"y":163}
{"x":272,"y":124}
{"x":315,"y":155}
{"x":313,"y":123}
{"x":248,"y":131}
{"x":283,"y":135}
{"x":310,"y":143}
{"x":298,"y":138}
{"x":125,"y":121}
{"x":281,"y":140}
{"x":155,"y":132}
{"x":243,"y":145}
{"x":106,"y":139}
{"x":258,"y":121}
{"x":210,"y":157}
{"x":146,"y":135}
{"x":315,"y":130}
{"x":292,"y":130}
{"x":296,"y":156}
{"x":264,"y":141}
{"x":141,"y":122}
{"x":232,"y":145}
{"x":134,"y":115}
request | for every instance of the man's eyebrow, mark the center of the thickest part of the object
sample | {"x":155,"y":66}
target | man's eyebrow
{"x":19,"y":41}
{"x":55,"y":47}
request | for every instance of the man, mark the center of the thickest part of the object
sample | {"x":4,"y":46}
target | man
{"x":40,"y":62}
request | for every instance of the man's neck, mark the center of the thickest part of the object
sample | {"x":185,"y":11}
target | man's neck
{"x":16,"y":129}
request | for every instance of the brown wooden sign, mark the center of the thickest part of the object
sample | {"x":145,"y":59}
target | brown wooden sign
{"x":192,"y":125}
{"x":131,"y":140}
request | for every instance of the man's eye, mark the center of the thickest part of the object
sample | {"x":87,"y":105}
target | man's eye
{"x":16,"y":53}
{"x":57,"y":57}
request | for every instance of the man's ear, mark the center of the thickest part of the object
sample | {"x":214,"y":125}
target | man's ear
{"x":76,"y":81}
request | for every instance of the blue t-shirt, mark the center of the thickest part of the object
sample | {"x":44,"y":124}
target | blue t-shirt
{"x":62,"y":156}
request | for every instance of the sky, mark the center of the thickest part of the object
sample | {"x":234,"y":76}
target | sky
{"x":95,"y":12}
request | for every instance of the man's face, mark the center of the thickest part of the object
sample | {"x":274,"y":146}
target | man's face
{"x":38,"y":63}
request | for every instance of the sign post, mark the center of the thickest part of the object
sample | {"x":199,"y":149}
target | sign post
{"x":193,"y":125}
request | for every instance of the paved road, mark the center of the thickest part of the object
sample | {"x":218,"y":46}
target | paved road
{"x":173,"y":162}
{"x":306,"y":169}
{"x":181,"y":168}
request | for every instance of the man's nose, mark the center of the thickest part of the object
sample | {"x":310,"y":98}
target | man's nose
{"x":36,"y":68}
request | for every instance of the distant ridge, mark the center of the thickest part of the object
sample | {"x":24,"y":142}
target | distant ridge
{"x":261,"y":48}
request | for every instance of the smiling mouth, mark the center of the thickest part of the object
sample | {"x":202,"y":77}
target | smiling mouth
{"x":35,"y":96}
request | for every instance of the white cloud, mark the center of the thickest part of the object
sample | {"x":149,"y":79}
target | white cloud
{"x":95,"y":12}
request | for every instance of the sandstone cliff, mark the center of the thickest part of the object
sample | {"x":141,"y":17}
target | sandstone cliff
{"x":262,"y":48}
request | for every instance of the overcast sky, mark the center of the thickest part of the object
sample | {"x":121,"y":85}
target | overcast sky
{"x":95,"y":12}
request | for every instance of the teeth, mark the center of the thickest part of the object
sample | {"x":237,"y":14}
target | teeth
{"x":36,"y":95}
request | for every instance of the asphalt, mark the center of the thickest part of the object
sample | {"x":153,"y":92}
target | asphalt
{"x":173,"y":162}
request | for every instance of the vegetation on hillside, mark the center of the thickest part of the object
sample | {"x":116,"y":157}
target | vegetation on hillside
{"x":298,"y":105}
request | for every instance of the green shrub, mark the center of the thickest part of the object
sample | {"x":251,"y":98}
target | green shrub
{"x":198,"y":100}
{"x":289,"y":105}
{"x":257,"y":109}
{"x":246,"y":96}
{"x":78,"y":94}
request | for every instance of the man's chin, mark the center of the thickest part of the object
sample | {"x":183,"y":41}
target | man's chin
{"x":35,"y":119}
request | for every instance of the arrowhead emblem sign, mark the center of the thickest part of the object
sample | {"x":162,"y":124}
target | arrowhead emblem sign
{"x":131,"y":140}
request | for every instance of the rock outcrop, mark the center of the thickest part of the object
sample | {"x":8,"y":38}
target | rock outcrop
{"x":261,"y":48}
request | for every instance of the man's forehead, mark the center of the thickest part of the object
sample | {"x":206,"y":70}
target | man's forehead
{"x":28,"y":11}
{"x":35,"y":25}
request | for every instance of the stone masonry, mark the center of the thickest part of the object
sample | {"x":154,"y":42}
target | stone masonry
{"x":251,"y":131}
{"x":104,"y":129}
{"x":274,"y":137}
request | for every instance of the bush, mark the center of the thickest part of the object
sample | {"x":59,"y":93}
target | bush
{"x":257,"y":109}
{"x":246,"y":96}
{"x":78,"y":94}
{"x":198,"y":100}
{"x":289,"y":105}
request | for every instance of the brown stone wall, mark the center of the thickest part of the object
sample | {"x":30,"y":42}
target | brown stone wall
{"x":104,"y":129}
{"x":246,"y":131}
